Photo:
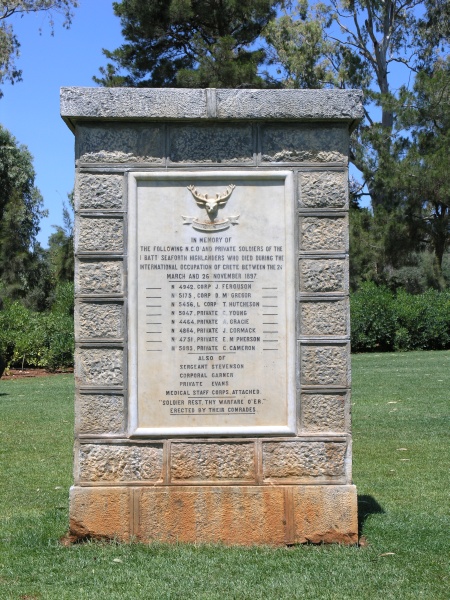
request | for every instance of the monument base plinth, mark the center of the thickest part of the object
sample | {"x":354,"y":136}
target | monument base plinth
{"x":233,"y":515}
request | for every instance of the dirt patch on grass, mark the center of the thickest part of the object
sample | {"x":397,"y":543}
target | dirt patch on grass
{"x":21,"y":374}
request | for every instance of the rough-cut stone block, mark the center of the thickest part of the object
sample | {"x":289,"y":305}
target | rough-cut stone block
{"x":323,"y":412}
{"x":303,"y":460}
{"x":319,"y":234}
{"x":100,"y":320}
{"x":144,"y":103}
{"x":324,"y":318}
{"x":99,"y":277}
{"x":99,"y":235}
{"x":297,"y":143}
{"x":323,"y":189}
{"x":325,"y":365}
{"x":323,"y":275}
{"x":99,"y":413}
{"x":108,"y":462}
{"x":325,"y":514}
{"x":242,"y":515}
{"x":99,"y":366}
{"x":289,"y":104}
{"x":100,"y":512}
{"x":120,"y":143}
{"x":211,"y":144}
{"x":99,"y":192}
{"x":104,"y":103}
{"x":212,"y":462}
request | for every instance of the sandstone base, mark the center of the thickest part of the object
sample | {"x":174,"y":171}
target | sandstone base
{"x":241,"y":515}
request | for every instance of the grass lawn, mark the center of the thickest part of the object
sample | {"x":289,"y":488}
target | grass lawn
{"x":401,"y":468}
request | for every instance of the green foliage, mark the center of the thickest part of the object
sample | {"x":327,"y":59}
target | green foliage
{"x":38,"y":339}
{"x":373,"y":319}
{"x":188,"y":43}
{"x":21,"y":207}
{"x":61,"y":250}
{"x":9,"y":44}
{"x":423,"y":321}
{"x":382,"y":321}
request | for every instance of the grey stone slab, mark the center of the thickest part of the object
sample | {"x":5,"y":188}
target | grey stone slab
{"x":132,"y":103}
{"x":290,"y":104}
{"x":120,"y":143}
{"x":304,"y":142}
{"x":218,"y":143}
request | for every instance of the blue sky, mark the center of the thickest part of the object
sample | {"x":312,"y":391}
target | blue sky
{"x":30,"y":109}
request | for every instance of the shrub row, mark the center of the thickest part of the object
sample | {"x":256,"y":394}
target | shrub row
{"x":382,"y":321}
{"x":38,"y":339}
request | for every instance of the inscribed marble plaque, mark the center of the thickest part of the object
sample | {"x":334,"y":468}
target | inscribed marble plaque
{"x":211,"y":303}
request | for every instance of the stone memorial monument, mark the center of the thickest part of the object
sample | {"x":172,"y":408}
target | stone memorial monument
{"x":212,"y":317}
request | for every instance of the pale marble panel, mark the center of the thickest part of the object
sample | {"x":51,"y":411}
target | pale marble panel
{"x":212,"y":305}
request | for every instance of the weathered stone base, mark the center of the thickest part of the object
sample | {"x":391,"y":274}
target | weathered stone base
{"x":241,"y":515}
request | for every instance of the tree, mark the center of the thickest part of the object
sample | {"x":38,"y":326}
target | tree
{"x":9,"y":44}
{"x":21,"y":208}
{"x":422,"y":175}
{"x":359,"y":44}
{"x":61,"y":255}
{"x":189,"y":43}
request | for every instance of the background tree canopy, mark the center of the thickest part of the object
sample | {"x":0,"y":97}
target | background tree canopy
{"x":189,"y":43}
{"x":9,"y":44}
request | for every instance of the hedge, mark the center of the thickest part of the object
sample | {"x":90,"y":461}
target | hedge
{"x":383,"y":321}
{"x":34,"y":339}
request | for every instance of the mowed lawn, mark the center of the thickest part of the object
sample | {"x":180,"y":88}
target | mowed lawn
{"x":401,"y":467}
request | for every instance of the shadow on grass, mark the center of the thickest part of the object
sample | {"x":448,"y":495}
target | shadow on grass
{"x":2,"y":394}
{"x":367,"y":505}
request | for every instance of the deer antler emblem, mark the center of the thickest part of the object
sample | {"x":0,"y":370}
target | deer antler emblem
{"x":212,"y":206}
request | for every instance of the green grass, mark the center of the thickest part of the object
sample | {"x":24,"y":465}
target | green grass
{"x":399,"y":401}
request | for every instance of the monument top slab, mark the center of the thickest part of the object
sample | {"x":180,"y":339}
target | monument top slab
{"x":79,"y":104}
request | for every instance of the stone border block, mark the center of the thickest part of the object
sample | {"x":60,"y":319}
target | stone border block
{"x":325,"y":514}
{"x":325,"y":365}
{"x":101,"y":414}
{"x":113,"y":463}
{"x":324,"y":318}
{"x":302,"y":142}
{"x":100,"y":513}
{"x":99,"y":191}
{"x":212,"y":462}
{"x":323,"y":275}
{"x":324,"y":412}
{"x":302,"y":461}
{"x":323,"y":190}
{"x":99,"y":234}
{"x":242,"y":515}
{"x":99,"y":367}
{"x":323,"y":234}
{"x":209,"y":144}
{"x":120,"y":143}
{"x":100,"y":321}
{"x":99,"y":278}
{"x":147,"y":103}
